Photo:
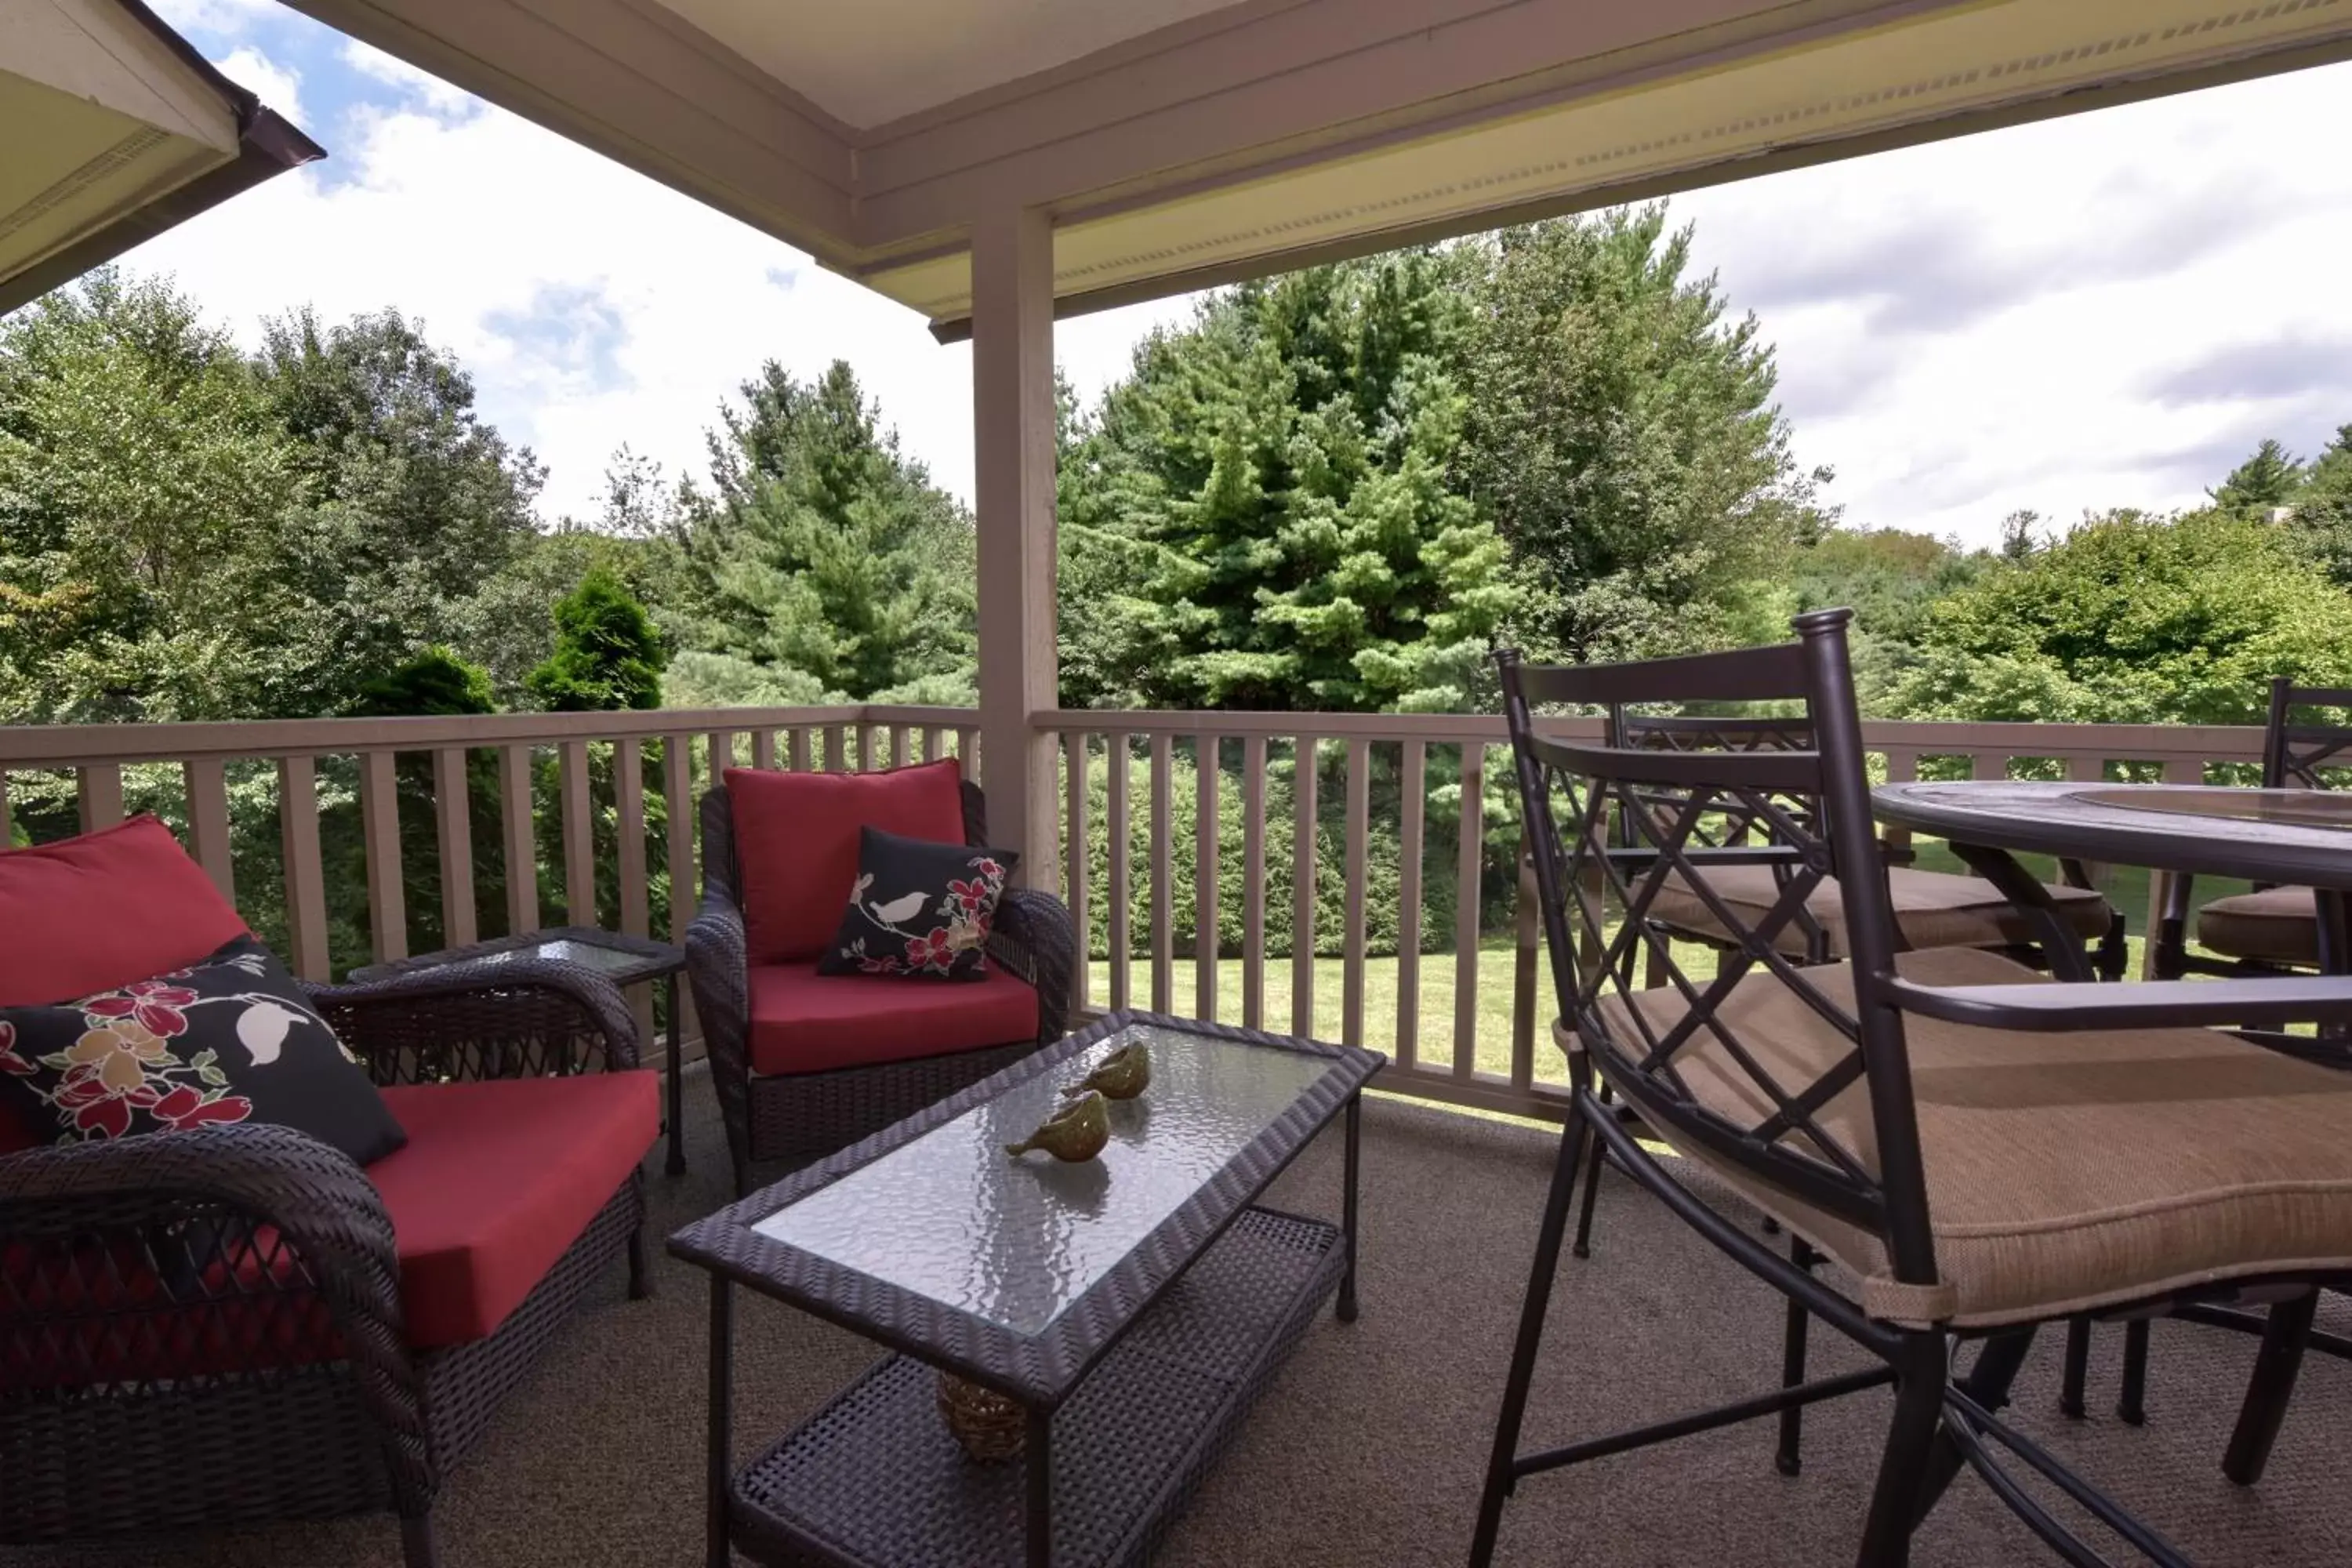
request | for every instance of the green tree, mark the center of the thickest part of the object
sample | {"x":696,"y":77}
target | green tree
{"x":2269,"y":479}
{"x":607,"y":655}
{"x":822,"y":555}
{"x":1623,"y":436}
{"x":1260,"y":515}
{"x":144,"y":486}
{"x":2322,"y":514}
{"x":2134,"y":619}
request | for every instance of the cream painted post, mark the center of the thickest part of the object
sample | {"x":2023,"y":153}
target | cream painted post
{"x":1012,"y":483}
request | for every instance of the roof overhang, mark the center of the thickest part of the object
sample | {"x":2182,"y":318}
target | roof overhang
{"x":1247,"y":138}
{"x":115,"y":130}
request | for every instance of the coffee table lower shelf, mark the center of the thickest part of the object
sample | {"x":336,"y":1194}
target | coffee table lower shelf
{"x":875,"y":1480}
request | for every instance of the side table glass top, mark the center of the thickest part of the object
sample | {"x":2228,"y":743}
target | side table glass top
{"x":951,"y":1217}
{"x":562,"y":949}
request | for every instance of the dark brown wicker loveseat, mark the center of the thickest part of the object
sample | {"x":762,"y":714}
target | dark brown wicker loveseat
{"x":799,"y":1115}
{"x":207,"y":1327}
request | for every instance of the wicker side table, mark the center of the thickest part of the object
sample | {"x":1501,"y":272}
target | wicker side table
{"x":625,"y":961}
{"x":1132,"y":1307}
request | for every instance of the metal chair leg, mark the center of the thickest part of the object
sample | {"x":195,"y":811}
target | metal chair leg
{"x":2131,"y":1403}
{"x":1501,"y":1461}
{"x":1582,"y":1246}
{"x":2271,"y":1388}
{"x":1987,"y":1385}
{"x":2078,"y":1368}
{"x":641,"y":1285}
{"x":1789,"y":1460}
{"x":1910,"y":1441}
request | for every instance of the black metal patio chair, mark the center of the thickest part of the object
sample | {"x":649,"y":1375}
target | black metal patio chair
{"x":1978,"y":1150}
{"x":2270,"y":930}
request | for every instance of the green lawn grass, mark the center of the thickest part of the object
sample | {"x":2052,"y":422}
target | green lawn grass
{"x":1495,"y":983}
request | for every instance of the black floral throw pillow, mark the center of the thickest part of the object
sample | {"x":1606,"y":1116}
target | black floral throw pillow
{"x":231,"y":1038}
{"x":920,"y":908}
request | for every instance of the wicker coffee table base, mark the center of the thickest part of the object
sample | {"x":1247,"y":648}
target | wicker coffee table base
{"x":876,"y":1480}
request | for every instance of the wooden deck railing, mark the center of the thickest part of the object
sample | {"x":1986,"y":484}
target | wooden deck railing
{"x":1404,"y":906}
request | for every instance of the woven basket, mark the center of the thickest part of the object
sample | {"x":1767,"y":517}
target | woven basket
{"x":987,"y":1423}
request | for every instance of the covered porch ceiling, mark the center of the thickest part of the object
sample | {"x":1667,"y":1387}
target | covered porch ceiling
{"x":1178,"y":143}
{"x":113,"y":129}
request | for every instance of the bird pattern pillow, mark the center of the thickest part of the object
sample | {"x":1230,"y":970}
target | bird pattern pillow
{"x":920,"y":909}
{"x":230,"y":1039}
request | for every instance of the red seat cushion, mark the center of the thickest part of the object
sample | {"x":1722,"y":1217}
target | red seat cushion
{"x":805,"y":1022}
{"x":88,"y":914}
{"x":498,"y":1180}
{"x":796,"y":843}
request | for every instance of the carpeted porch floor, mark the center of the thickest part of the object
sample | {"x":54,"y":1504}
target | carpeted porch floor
{"x":1369,"y":1448}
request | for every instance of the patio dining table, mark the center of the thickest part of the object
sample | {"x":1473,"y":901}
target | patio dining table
{"x":2270,"y":835}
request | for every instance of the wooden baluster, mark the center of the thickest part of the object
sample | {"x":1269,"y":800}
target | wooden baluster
{"x":967,"y":758}
{"x":902,"y":746}
{"x":1902,"y":767}
{"x":1205,"y":760}
{"x":1469,"y":852}
{"x":1302,"y":886}
{"x":1253,"y":882}
{"x":1115,"y":823}
{"x":837,"y":749}
{"x":721,"y":754}
{"x":934,"y":743}
{"x":453,"y":832}
{"x":1414,"y":784}
{"x":99,"y":786}
{"x":521,"y":843}
{"x":305,"y":883}
{"x":7,"y":827}
{"x":579,"y":835}
{"x":1351,"y":990}
{"x":208,"y":838}
{"x":379,"y":840}
{"x":629,"y":814}
{"x":1163,"y":876}
{"x":799,"y":736}
{"x":1987,"y":765}
{"x":1077,"y":869}
{"x":763,"y":748}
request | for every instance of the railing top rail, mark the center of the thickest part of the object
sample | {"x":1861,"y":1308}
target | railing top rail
{"x":42,"y":746}
{"x":2135,"y":743}
{"x":62,"y":745}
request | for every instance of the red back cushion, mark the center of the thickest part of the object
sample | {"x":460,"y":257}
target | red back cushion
{"x":90,"y":913}
{"x":796,"y":843}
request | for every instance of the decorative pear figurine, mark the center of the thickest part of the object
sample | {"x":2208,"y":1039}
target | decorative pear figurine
{"x":1122,"y":1075}
{"x":1076,"y":1133}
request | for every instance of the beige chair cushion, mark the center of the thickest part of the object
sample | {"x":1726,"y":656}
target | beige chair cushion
{"x":2065,"y":1172}
{"x":1934,"y":909}
{"x":2278,"y":924}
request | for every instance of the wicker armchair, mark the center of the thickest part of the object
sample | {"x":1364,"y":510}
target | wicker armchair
{"x":205,"y":1328}
{"x":777,"y":1116}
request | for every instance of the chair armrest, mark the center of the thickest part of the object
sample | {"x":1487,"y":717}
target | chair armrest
{"x":2141,"y":1005}
{"x":522,"y":1019}
{"x":251,"y":1227}
{"x":1034,"y":939}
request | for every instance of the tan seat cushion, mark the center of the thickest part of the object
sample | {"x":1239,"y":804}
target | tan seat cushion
{"x":2065,"y":1172}
{"x":2277,"y":923}
{"x":1934,"y":909}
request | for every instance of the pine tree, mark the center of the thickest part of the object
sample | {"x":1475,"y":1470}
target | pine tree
{"x":824,"y":552}
{"x":607,"y":655}
{"x":2269,"y":479}
{"x":1269,"y":488}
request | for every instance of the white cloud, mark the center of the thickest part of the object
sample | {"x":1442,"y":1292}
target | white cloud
{"x":393,"y":71}
{"x":2013,"y":319}
{"x":277,"y":86}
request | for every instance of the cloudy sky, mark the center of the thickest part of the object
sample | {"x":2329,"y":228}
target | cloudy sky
{"x":2106,"y":311}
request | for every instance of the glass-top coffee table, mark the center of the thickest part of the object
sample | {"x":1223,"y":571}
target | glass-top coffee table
{"x":1133,"y":1306}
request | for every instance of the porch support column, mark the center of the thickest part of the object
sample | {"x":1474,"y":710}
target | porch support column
{"x":1012,"y":451}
